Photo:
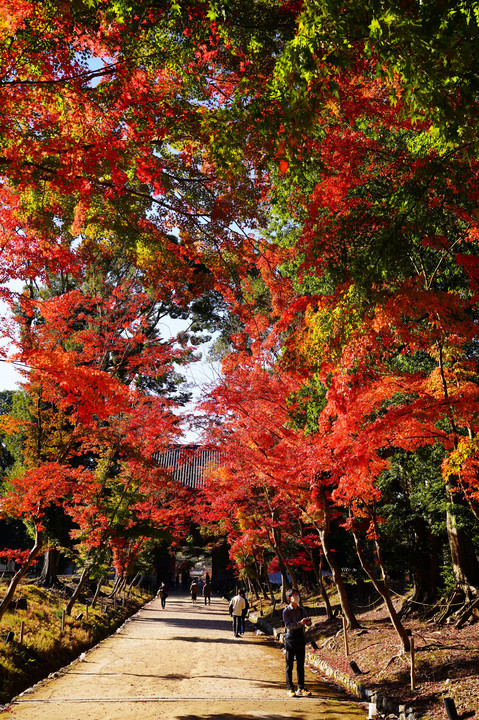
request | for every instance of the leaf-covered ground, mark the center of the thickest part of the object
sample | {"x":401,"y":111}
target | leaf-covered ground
{"x":447,"y":662}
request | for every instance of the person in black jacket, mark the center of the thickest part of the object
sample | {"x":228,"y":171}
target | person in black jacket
{"x":162,"y":593}
{"x":295,"y":619}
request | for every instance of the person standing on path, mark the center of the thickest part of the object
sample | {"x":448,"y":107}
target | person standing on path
{"x":236,"y":607}
{"x":194,"y":591}
{"x":207,"y":593}
{"x":295,"y":618}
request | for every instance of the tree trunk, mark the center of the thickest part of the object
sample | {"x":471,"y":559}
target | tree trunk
{"x":323,"y":532}
{"x":258,"y":577}
{"x":132,"y":584}
{"x":36,"y":549}
{"x":292,"y":574}
{"x":48,"y":577}
{"x":318,"y":574}
{"x":464,"y":560}
{"x":285,"y":584}
{"x":324,"y":594}
{"x":353,"y":624}
{"x":83,"y":579}
{"x":268,"y":582}
{"x":97,"y":591}
{"x":382,"y":588}
{"x":426,"y":562}
{"x":117,"y":585}
{"x":253,"y":580}
{"x":319,"y":580}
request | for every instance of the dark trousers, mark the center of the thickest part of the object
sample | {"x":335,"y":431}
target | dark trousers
{"x":236,"y":624}
{"x":292,"y":652}
{"x":163,"y":602}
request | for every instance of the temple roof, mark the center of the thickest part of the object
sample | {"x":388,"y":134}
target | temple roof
{"x":189,"y":464}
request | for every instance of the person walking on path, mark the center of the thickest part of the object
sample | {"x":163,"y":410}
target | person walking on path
{"x":207,"y":592}
{"x":295,"y":618}
{"x":194,"y":591}
{"x":236,"y":607}
{"x":163,"y":594}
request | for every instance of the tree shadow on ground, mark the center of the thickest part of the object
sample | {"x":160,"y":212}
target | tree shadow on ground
{"x":222,"y":611}
{"x":293,"y":714}
{"x":233,"y":640}
{"x":197,"y":622}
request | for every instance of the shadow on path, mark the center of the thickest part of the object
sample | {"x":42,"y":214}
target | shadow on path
{"x":196,"y":622}
{"x":221,"y":641}
{"x":295,"y":713}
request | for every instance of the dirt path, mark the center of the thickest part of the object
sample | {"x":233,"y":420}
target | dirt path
{"x":181,"y":663}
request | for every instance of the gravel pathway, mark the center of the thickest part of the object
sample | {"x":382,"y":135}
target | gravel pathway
{"x":180,"y":663}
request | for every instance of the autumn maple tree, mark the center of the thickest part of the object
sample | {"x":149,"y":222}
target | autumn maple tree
{"x":93,"y":440}
{"x":307,"y":167}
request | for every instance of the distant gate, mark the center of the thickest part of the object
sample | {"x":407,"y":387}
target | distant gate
{"x":189,"y":464}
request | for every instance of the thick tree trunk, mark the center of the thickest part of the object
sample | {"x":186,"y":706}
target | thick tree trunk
{"x":292,"y":574}
{"x":463,"y":555}
{"x":284,"y":582}
{"x":34,"y":552}
{"x":426,"y":566}
{"x":48,"y":577}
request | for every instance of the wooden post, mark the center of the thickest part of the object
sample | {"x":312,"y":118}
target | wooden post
{"x":413,"y":663}
{"x":63,"y":621}
{"x":450,"y":708}
{"x":345,"y":632}
{"x":22,"y":630}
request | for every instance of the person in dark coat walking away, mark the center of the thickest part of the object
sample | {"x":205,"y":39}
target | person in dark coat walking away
{"x":207,"y":593}
{"x":163,"y":594}
{"x":295,"y":618}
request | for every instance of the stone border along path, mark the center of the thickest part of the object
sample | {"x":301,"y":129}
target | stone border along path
{"x":181,"y":663}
